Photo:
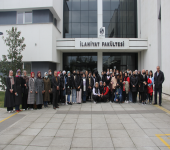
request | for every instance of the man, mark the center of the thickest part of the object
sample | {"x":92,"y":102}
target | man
{"x":50,"y":76}
{"x":74,"y":87}
{"x":104,"y":76}
{"x":158,"y":81}
{"x":144,"y":86}
{"x":56,"y":85}
{"x":62,"y":87}
{"x":90,"y":84}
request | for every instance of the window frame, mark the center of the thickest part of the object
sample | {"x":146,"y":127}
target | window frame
{"x":23,"y":15}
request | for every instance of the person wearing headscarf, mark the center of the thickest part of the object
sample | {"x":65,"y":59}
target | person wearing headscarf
{"x":150,"y":86}
{"x":126,"y":83}
{"x":19,"y":84}
{"x":69,"y":85}
{"x":134,"y":87}
{"x":50,"y":76}
{"x":39,"y":90}
{"x":56,"y":89}
{"x":113,"y":83}
{"x":105,"y":93}
{"x":118,"y":94}
{"x":31,"y":91}
{"x":62,"y":86}
{"x":90,"y":83}
{"x":25,"y":91}
{"x":78,"y":84}
{"x":74,"y":87}
{"x":47,"y":89}
{"x":96,"y":93}
{"x":84,"y":87}
{"x":9,"y":94}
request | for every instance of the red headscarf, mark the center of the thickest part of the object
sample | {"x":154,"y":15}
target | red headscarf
{"x":58,"y":73}
{"x":38,"y":73}
{"x":31,"y":74}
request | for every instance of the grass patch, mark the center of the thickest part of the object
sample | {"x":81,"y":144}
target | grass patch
{"x":2,"y":96}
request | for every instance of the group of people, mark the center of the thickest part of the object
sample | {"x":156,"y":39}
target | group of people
{"x":66,"y":88}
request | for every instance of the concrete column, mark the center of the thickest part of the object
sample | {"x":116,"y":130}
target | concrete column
{"x":99,"y":15}
{"x":100,"y":62}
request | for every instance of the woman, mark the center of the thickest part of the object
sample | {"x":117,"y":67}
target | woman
{"x":78,"y":83}
{"x":9,"y":94}
{"x":126,"y":82}
{"x":19,"y":84}
{"x":139,"y":86}
{"x":31,"y":91}
{"x":84,"y":88}
{"x":25,"y":91}
{"x":105,"y":93}
{"x":120,"y":79}
{"x":134,"y":83}
{"x":96,"y":93}
{"x":69,"y":85}
{"x":47,"y":89}
{"x":150,"y":86}
{"x":39,"y":90}
{"x":113,"y":86}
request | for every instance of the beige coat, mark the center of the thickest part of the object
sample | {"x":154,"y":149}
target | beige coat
{"x":114,"y":82}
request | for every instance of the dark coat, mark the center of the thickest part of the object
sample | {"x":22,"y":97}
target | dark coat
{"x":50,"y":77}
{"x":69,"y":85}
{"x":78,"y":82}
{"x":62,"y":81}
{"x":55,"y":83}
{"x":104,"y":78}
{"x":141,"y":79}
{"x":88,"y":84}
{"x":73,"y":81}
{"x":107,"y":81}
{"x":134,"y":81}
{"x":158,"y":80}
{"x":9,"y":97}
{"x":18,"y":88}
{"x":101,"y":88}
{"x":39,"y":87}
{"x":47,"y":87}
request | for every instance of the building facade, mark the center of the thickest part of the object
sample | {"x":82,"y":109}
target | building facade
{"x":69,"y":34}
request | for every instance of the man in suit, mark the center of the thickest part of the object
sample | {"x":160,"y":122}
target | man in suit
{"x":158,"y":80}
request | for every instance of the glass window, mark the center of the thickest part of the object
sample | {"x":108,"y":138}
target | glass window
{"x":106,"y":16}
{"x":92,"y":28}
{"x":67,"y":16}
{"x":84,"y":28}
{"x":92,"y":4}
{"x":75,"y":16}
{"x":84,"y":16}
{"x":75,"y":4}
{"x":106,"y":4}
{"x":75,"y":28}
{"x":27,"y":67}
{"x":92,"y":16}
{"x":114,"y":4}
{"x":20,"y":18}
{"x":84,"y":4}
{"x":28,"y":17}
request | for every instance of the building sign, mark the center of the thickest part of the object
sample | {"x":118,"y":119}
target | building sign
{"x":101,"y":32}
{"x":101,"y":43}
{"x":104,"y":44}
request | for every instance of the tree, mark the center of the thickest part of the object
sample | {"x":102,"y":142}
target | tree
{"x":13,"y":60}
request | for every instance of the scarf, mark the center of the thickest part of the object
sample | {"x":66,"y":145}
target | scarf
{"x":17,"y":73}
{"x":40,"y":74}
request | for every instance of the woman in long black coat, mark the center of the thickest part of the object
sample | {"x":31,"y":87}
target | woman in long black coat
{"x":25,"y":91}
{"x":9,"y":94}
{"x":19,"y":84}
{"x":134,"y":87}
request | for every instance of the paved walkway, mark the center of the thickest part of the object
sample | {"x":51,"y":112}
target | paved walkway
{"x":88,"y":126}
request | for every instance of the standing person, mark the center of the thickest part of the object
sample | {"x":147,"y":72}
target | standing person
{"x":86,"y":74}
{"x":9,"y":94}
{"x":107,"y":79}
{"x":158,"y":81}
{"x":94,"y":79}
{"x":150,"y":86}
{"x":69,"y":85}
{"x":39,"y":90}
{"x":104,"y":76}
{"x":84,"y":87}
{"x":139,"y":86}
{"x":96,"y":93}
{"x":62,"y":87}
{"x":126,"y":82}
{"x":113,"y":83}
{"x":105,"y":93}
{"x":78,"y":84}
{"x":90,"y":83}
{"x":19,"y":84}
{"x":130,"y":87}
{"x":120,"y":80}
{"x":47,"y":89}
{"x":31,"y":91}
{"x":25,"y":91}
{"x":56,"y":89}
{"x":118,"y":94}
{"x":50,"y":76}
{"x":134,"y":86}
{"x":74,"y":87}
{"x":143,"y":81}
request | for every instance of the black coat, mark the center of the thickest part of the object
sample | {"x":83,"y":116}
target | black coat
{"x":9,"y":97}
{"x":69,"y":85}
{"x":141,"y":79}
{"x":158,"y":80}
{"x":55,"y":83}
{"x":101,"y":88}
{"x":73,"y":81}
{"x":107,"y":81}
{"x":62,"y":81}
{"x":104,"y":78}
{"x":18,"y":88}
{"x":134,"y":81}
{"x":96,"y":80}
{"x":92,"y":84}
{"x":78,"y":82}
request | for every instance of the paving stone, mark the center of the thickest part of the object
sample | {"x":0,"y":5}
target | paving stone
{"x":41,"y":141}
{"x":23,"y":140}
{"x":15,"y":147}
{"x":65,"y":133}
{"x":30,"y":131}
{"x":123,"y":142}
{"x":102,"y":142}
{"x":83,"y":133}
{"x":81,"y":142}
{"x":47,"y":132}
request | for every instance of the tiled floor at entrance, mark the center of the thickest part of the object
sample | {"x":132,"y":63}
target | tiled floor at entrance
{"x":88,"y":126}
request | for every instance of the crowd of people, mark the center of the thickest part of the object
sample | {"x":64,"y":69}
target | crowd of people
{"x":79,"y":87}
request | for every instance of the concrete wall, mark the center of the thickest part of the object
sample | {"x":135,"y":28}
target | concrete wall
{"x":165,"y":32}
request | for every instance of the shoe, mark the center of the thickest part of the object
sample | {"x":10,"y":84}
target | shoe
{"x":66,"y":104}
{"x":94,"y":102}
{"x":127,"y":102}
{"x":154,"y":104}
{"x":110,"y":102}
{"x":17,"y":111}
{"x":160,"y":105}
{"x":54,"y":108}
{"x":145,"y":103}
{"x":9,"y":111}
{"x":57,"y":107}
